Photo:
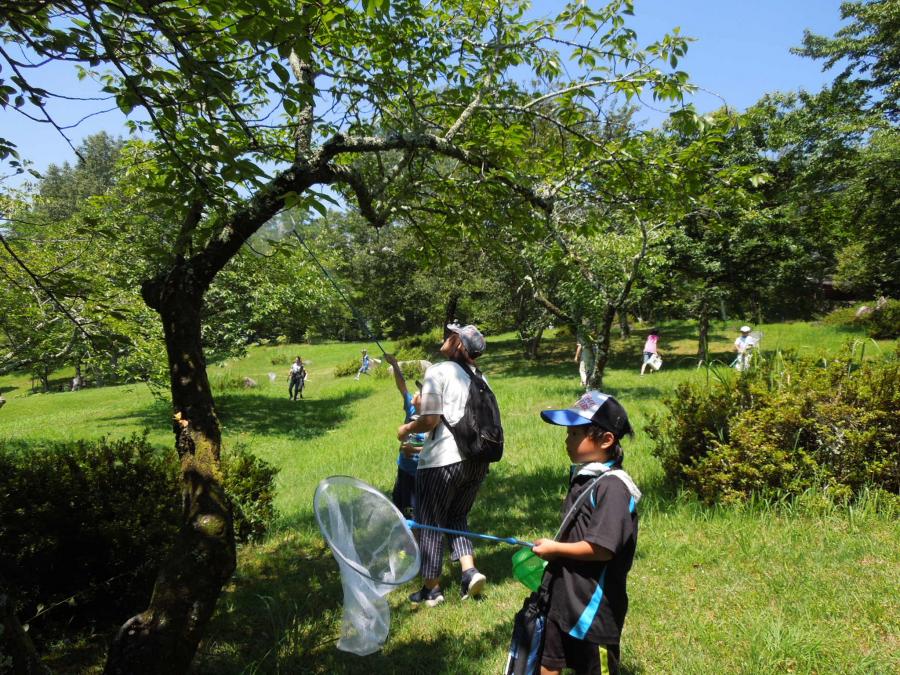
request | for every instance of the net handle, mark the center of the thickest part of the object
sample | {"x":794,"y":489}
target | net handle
{"x":413,"y":525}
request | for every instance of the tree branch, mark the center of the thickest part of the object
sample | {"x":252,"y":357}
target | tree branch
{"x":46,"y":290}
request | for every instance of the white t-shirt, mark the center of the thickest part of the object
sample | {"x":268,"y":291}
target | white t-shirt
{"x":743,"y":343}
{"x":445,"y":391}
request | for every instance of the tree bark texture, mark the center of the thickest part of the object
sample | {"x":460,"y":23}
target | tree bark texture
{"x":624,"y":326}
{"x":602,"y":347}
{"x":450,"y":312}
{"x":164,"y":637}
{"x":533,"y":344}
{"x":703,"y":341}
{"x":17,"y":652}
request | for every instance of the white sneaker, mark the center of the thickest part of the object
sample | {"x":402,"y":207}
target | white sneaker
{"x":473,"y":583}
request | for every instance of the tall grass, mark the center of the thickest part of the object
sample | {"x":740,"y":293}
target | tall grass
{"x":798,"y":585}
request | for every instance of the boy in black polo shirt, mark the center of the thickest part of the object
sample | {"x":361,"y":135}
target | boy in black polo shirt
{"x":590,"y":562}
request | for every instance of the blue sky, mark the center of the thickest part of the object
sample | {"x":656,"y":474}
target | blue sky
{"x":741,"y":53}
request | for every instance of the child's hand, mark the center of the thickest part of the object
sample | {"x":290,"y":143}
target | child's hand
{"x":545,"y":548}
{"x":402,"y":433}
{"x":408,"y":450}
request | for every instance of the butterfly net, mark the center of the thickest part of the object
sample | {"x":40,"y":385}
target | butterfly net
{"x":375,"y":551}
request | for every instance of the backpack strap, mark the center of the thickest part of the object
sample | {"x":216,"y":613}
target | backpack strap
{"x":473,"y":375}
{"x":570,"y":516}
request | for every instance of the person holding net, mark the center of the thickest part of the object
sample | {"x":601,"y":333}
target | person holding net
{"x":590,"y":559}
{"x":744,"y":344}
{"x":446,"y":484}
{"x":404,"y":492}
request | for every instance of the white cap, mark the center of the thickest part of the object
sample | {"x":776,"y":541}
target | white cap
{"x":745,"y":329}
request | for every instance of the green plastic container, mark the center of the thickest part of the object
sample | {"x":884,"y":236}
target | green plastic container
{"x":528,"y":568}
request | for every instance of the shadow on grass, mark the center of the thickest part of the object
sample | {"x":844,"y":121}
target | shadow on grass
{"x":282,"y":611}
{"x":304,"y":418}
{"x":262,"y":415}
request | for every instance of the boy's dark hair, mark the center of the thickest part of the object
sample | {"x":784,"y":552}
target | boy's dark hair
{"x":595,"y":432}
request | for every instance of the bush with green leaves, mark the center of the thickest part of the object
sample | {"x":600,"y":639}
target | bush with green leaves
{"x":884,"y":322}
{"x":84,"y":525}
{"x":424,"y":346}
{"x":786,"y":426}
{"x":881,"y":323}
{"x":380,"y":368}
{"x":250,"y":484}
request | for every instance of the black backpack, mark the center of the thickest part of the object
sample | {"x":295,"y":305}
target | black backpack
{"x":478,"y":434}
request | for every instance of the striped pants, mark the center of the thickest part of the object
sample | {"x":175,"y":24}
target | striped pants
{"x":444,"y":497}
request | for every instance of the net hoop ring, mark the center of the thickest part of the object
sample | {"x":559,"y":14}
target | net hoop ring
{"x":384,"y":502}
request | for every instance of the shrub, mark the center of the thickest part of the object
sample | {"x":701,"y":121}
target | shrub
{"x":89,"y":521}
{"x":788,"y":426}
{"x":884,"y":322}
{"x":220,"y":382}
{"x":250,"y":484}
{"x":842,"y":316}
{"x":424,"y":346}
{"x":380,"y":370}
{"x":84,"y":525}
{"x":347,"y":368}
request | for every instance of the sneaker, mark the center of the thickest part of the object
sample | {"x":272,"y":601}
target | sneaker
{"x":431,"y":598}
{"x":472,"y":584}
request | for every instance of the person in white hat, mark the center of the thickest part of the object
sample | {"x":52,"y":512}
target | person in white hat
{"x":446,"y":483}
{"x":744,"y":346}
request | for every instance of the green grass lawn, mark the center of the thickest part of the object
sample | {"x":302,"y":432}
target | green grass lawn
{"x":799,"y":588}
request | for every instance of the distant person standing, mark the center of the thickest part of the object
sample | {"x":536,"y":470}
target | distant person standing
{"x":584,"y":357}
{"x":650,"y":349}
{"x":743,"y":344}
{"x":366,"y":364}
{"x":297,"y":379}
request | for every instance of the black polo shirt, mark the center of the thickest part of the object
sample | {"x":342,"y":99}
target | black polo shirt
{"x":588,"y":599}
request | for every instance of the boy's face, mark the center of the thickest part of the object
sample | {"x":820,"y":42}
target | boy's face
{"x":582,"y":447}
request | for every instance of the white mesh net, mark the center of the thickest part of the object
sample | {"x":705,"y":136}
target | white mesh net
{"x":375,"y":551}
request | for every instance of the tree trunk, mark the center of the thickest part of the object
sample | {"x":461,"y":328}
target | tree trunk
{"x":450,"y":312}
{"x":533,"y":343}
{"x":601,"y":348}
{"x":16,"y":649}
{"x":703,"y":341}
{"x":624,"y":326}
{"x":164,"y":638}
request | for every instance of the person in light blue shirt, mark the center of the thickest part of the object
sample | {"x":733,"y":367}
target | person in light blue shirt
{"x":365,"y":365}
{"x":404,"y":492}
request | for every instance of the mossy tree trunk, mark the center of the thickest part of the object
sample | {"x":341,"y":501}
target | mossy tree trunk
{"x":17,"y":652}
{"x":164,"y":637}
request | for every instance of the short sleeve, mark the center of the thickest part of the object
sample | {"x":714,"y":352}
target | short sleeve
{"x":432,"y":395}
{"x":611,"y":524}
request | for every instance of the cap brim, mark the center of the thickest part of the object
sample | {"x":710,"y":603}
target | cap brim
{"x":564,"y":418}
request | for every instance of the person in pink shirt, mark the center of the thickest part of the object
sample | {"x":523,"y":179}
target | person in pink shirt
{"x":650,"y":348}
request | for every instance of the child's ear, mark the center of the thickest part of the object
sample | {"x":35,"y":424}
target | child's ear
{"x":607,"y":441}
